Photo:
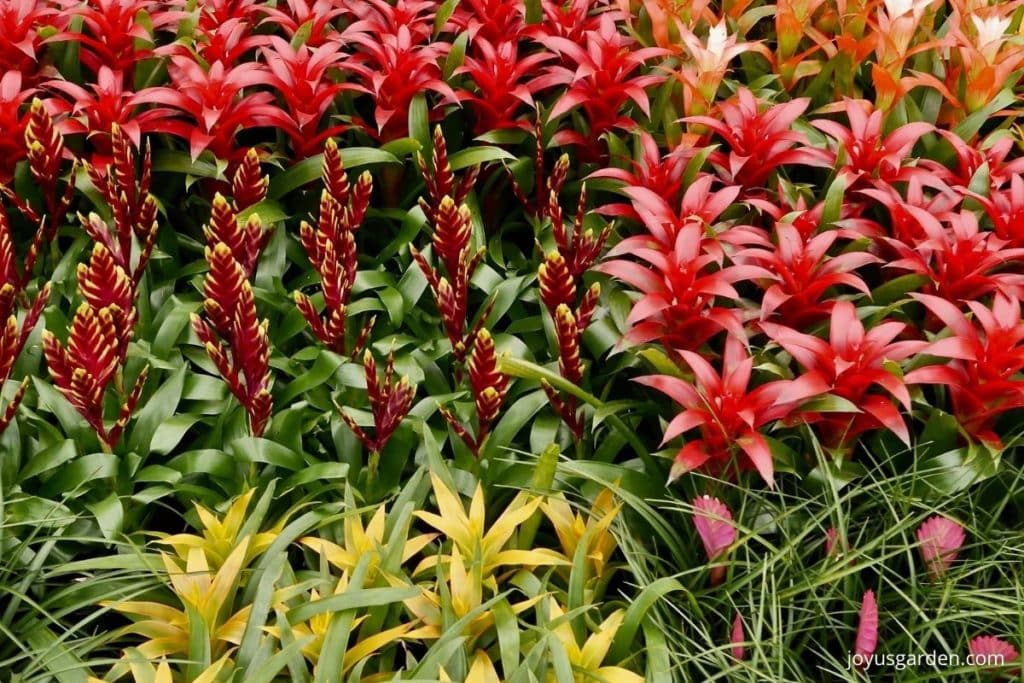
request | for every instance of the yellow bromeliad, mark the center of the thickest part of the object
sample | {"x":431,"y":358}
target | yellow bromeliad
{"x":361,"y":541}
{"x":316,"y":630}
{"x":220,"y":537}
{"x":594,"y":531}
{"x":206,"y":597}
{"x":465,"y":586}
{"x":483,"y":547}
{"x":587,"y":661}
{"x":144,"y":671}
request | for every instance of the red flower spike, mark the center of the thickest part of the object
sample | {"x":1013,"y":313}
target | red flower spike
{"x":451,"y":240}
{"x":45,"y":145}
{"x":728,"y":413}
{"x":489,"y":387}
{"x":84,"y":369}
{"x":854,"y":363}
{"x":389,"y":402}
{"x":126,"y":191}
{"x":568,"y":335}
{"x":331,"y":248}
{"x":105,"y":285}
{"x":585,"y":312}
{"x":489,"y":384}
{"x":238,"y":343}
{"x":249,"y":186}
{"x":557,"y":285}
{"x":440,"y":179}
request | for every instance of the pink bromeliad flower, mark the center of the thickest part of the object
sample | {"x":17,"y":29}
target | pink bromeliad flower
{"x":716,"y":529}
{"x":940,"y":539}
{"x":737,"y":637}
{"x":990,"y":652}
{"x":867,"y":629}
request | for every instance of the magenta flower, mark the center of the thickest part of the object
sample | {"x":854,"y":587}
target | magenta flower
{"x":867,"y":629}
{"x":831,"y":536}
{"x":940,"y":539}
{"x":992,"y":652}
{"x":717,"y":532}
{"x":737,"y":638}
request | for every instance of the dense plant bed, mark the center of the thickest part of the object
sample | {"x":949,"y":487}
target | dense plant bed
{"x":510,"y":341}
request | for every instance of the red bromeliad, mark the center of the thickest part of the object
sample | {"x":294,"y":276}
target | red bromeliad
{"x":804,"y":274}
{"x":681,"y":289}
{"x":504,"y":83}
{"x":729,"y":415}
{"x":215,"y":101}
{"x":869,"y":156}
{"x":331,"y":248}
{"x":302,"y":77}
{"x":602,"y":81}
{"x":12,"y":122}
{"x":985,"y":354}
{"x":394,"y":61}
{"x":759,"y":141}
{"x":856,"y":364}
{"x":961,"y":261}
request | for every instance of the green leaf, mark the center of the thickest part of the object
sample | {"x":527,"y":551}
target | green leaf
{"x":48,"y":458}
{"x":475,"y":156}
{"x":623,"y":644}
{"x":309,"y":169}
{"x":109,"y":515}
{"x":157,"y":410}
{"x":356,"y":599}
{"x":253,"y":449}
{"x":830,"y":403}
{"x":832,"y":209}
{"x":897,"y":289}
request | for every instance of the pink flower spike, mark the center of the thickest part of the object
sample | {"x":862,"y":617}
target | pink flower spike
{"x":867,"y":629}
{"x":940,"y":539}
{"x":715,"y":527}
{"x":737,"y":638}
{"x":994,"y":651}
{"x":831,"y":536}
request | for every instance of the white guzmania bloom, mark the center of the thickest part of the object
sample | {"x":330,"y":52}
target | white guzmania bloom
{"x":991,"y":34}
{"x":897,"y":8}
